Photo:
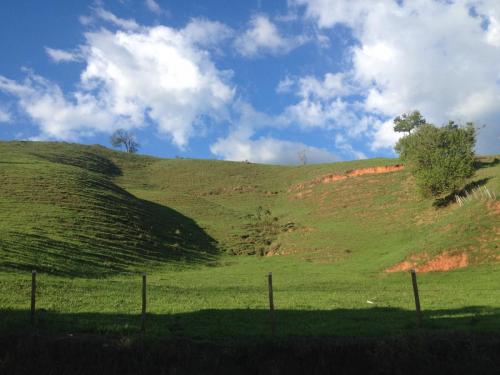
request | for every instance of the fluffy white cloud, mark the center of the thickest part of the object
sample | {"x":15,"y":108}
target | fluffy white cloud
{"x":327,"y":13}
{"x":132,"y":74}
{"x":322,"y":103}
{"x":332,"y":85}
{"x":57,"y":116}
{"x":309,"y":113}
{"x":160,"y":71}
{"x":269,"y":150}
{"x":383,"y":135}
{"x":242,"y":144}
{"x":440,"y":57}
{"x":262,"y":36}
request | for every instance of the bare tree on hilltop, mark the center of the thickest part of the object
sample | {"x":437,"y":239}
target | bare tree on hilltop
{"x":302,"y":155}
{"x":123,"y":138}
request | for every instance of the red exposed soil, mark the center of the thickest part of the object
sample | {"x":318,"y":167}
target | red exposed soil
{"x":445,"y":262}
{"x":359,"y":172}
{"x":494,"y":206}
{"x":442,"y":262}
{"x":402,"y":266}
{"x":354,"y":173}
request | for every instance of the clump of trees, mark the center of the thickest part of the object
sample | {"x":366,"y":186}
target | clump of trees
{"x":440,"y":158}
{"x":121,"y":138}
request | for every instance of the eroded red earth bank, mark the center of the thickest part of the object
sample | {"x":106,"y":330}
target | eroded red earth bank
{"x":354,"y":173}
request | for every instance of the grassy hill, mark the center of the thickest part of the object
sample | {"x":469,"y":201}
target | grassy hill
{"x":62,"y":213}
{"x":207,"y":232}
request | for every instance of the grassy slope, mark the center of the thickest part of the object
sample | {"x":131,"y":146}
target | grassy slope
{"x":62,"y":213}
{"x":75,"y":210}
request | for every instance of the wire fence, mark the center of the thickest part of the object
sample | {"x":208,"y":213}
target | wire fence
{"x":389,"y":296}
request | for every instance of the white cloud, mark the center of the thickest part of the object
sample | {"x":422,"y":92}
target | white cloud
{"x":342,"y":143}
{"x":5,"y":115}
{"x":309,"y":113}
{"x":153,"y":6}
{"x":285,"y":85}
{"x":404,"y":59}
{"x":58,"y":55}
{"x":321,"y":104}
{"x":269,"y":150}
{"x":206,"y":33}
{"x":157,"y":73}
{"x":126,"y":24}
{"x":242,"y":143}
{"x":327,"y":13}
{"x":384,"y":135}
{"x":331,"y":86}
{"x":57,"y":116}
{"x":262,"y":36}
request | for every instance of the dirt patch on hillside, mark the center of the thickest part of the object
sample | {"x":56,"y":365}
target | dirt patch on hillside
{"x":359,"y":172}
{"x":494,"y":207}
{"x":327,"y":179}
{"x":303,"y":194}
{"x":443,"y":262}
{"x":230,"y":190}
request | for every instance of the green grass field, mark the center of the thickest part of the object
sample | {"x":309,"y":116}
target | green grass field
{"x":91,"y":220}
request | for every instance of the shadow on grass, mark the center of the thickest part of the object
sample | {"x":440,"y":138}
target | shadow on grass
{"x":186,"y":239}
{"x":449,"y":199}
{"x":91,"y":161}
{"x":95,"y":228}
{"x":377,"y":340}
{"x":256,"y":323}
{"x":486,"y":164}
{"x":164,"y":235}
{"x":170,"y":237}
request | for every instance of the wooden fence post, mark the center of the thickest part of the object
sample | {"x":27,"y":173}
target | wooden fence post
{"x":417,"y":298}
{"x":33,"y":297}
{"x":143,"y":316}
{"x":271,"y":302}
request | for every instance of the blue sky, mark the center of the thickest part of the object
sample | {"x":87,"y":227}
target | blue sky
{"x":260,"y":80}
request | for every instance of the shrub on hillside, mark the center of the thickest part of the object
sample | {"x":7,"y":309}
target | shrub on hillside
{"x":440,"y":158}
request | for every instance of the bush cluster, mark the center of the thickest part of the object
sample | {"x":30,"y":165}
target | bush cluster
{"x":440,"y":158}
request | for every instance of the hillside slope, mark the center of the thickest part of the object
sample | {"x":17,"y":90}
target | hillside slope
{"x":61,"y":212}
{"x":86,"y":210}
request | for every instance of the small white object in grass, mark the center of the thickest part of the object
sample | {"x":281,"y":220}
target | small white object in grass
{"x":368,"y":301}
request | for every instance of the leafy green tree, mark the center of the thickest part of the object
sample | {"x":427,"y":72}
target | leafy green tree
{"x":123,"y":138}
{"x":408,"y":122}
{"x":440,"y":158}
